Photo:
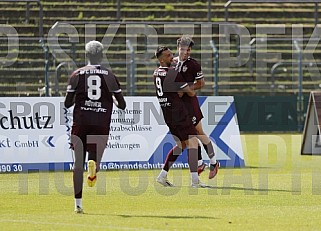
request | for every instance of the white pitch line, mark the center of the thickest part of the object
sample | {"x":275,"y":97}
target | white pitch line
{"x":78,"y":225}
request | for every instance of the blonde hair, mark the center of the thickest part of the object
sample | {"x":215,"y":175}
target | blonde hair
{"x":94,"y":47}
{"x":94,"y":51}
{"x":185,"y":40}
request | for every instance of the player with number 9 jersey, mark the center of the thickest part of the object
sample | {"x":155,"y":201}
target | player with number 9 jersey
{"x":168,"y":83}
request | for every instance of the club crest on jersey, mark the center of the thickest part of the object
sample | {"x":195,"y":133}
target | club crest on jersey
{"x":184,"y":69}
{"x":194,"y":120}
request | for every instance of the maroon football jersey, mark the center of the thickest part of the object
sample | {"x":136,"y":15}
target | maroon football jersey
{"x":191,"y":71}
{"x":93,"y":86}
{"x":168,"y":82}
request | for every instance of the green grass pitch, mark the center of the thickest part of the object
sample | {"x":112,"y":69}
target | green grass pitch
{"x":278,"y":190}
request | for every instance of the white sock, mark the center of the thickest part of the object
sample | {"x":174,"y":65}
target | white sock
{"x":199,"y":162}
{"x":163,"y":174}
{"x":194,"y":176}
{"x":78,"y":202}
{"x":213,"y":160}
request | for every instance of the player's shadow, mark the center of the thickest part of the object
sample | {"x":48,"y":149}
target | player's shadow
{"x":252,"y":189}
{"x":229,"y":188}
{"x":166,"y":217}
{"x":151,"y":216}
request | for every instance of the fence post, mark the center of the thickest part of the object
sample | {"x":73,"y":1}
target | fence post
{"x":131,"y":83}
{"x":300,"y":80}
{"x":209,"y":10}
{"x":273,"y":70}
{"x":27,"y":12}
{"x":58,"y":74}
{"x":40,"y":19}
{"x":215,"y":63}
{"x":118,"y":10}
{"x":45,"y":49}
{"x":316,"y":17}
{"x":226,"y":6}
{"x":251,"y":50}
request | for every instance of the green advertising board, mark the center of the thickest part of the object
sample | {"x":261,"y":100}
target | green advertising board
{"x":270,"y":113}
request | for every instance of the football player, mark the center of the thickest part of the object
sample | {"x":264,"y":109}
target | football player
{"x":92,"y":89}
{"x":168,"y":82}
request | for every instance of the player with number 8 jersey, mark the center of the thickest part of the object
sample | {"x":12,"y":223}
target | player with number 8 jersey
{"x":94,"y":87}
{"x":91,"y":89}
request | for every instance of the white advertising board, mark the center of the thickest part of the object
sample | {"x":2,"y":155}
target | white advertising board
{"x":35,"y":134}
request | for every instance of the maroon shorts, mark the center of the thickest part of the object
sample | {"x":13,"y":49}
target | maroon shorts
{"x":194,"y":110}
{"x":197,"y":115}
{"x":92,"y":138}
{"x":182,"y":132}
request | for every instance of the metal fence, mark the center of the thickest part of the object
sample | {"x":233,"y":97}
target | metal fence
{"x":229,"y":4}
{"x":217,"y":48}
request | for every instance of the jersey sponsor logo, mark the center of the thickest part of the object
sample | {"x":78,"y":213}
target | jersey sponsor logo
{"x":165,"y":104}
{"x":104,"y":110}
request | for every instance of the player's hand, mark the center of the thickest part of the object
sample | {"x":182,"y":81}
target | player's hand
{"x":180,"y":94}
{"x":175,"y":60}
{"x":115,"y":100}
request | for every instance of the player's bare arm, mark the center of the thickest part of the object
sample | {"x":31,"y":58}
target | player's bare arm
{"x":70,"y":99}
{"x":189,"y":91}
{"x":180,"y":94}
{"x":119,"y":100}
{"x":198,"y":84}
